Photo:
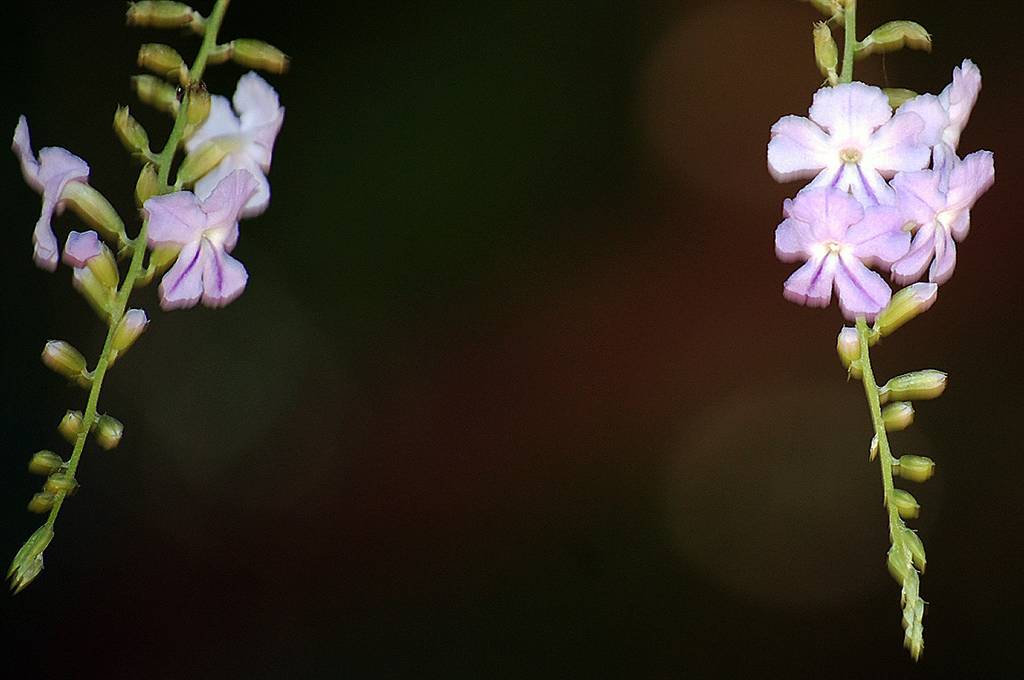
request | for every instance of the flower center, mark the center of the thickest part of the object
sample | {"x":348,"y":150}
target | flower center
{"x":850,"y":155}
{"x":834,"y":247}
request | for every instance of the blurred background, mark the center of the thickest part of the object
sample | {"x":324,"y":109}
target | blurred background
{"x":513,"y":391}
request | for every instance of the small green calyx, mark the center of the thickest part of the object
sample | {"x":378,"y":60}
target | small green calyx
{"x":914,"y":468}
{"x":164,"y":61}
{"x":161,"y":14}
{"x":28,"y":563}
{"x":895,"y":35}
{"x":927,"y":384}
{"x":826,"y":52}
{"x":906,"y":505}
{"x":259,"y":55}
{"x":898,"y":96}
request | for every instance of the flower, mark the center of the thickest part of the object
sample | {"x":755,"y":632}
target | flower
{"x":851,"y":142}
{"x":81,"y":247}
{"x":206,"y":231}
{"x":48,"y":175}
{"x":838,"y":238}
{"x":940,"y":202}
{"x":249,"y":137}
{"x":945,"y":115}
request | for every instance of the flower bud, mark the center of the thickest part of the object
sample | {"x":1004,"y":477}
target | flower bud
{"x":128,"y":330}
{"x":899,"y":565}
{"x":41,"y":502}
{"x":148,"y":184}
{"x":28,"y":563}
{"x":831,"y":8}
{"x":898,"y":416}
{"x":826,"y":54}
{"x":45,"y":463}
{"x":160,"y":14}
{"x":916,"y":547}
{"x":905,"y":504}
{"x":905,"y":305}
{"x":895,"y":35}
{"x":94,"y":209}
{"x":927,"y":384}
{"x":157,"y":93}
{"x":98,"y":296}
{"x":163,"y":60}
{"x":63,"y":359}
{"x":201,"y":161}
{"x":848,"y":347}
{"x":260,"y":55}
{"x":898,"y":96}
{"x":162,"y":257}
{"x":198,"y":109}
{"x":914,"y":468}
{"x":60,"y":483}
{"x":130,"y":132}
{"x":108,"y":432}
{"x":71,"y":425}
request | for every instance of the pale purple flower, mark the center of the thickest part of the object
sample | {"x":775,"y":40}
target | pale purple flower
{"x":81,"y":247}
{"x":249,"y":137}
{"x":48,"y":175}
{"x":839,"y":238}
{"x":851,"y":142}
{"x":206,"y":231}
{"x":940,"y":202}
{"x":945,"y":115}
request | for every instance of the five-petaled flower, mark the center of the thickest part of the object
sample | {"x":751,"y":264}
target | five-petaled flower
{"x":48,"y":175}
{"x":839,"y":238}
{"x":247,"y":138}
{"x":851,"y":142}
{"x":206,"y":231}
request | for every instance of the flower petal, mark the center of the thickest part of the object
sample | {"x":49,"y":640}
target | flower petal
{"x":174,"y":219}
{"x":81,"y":247}
{"x":811,"y":284}
{"x":22,"y":147}
{"x":862,"y":292}
{"x":260,"y":198}
{"x":44,"y":241}
{"x":851,"y":111}
{"x":895,"y":146}
{"x":255,"y":101}
{"x":969,"y":179}
{"x":224,"y":277}
{"x":959,"y":98}
{"x":918,"y":195}
{"x":932,"y":112}
{"x":182,"y":285}
{"x":945,"y":258}
{"x":792,"y":240}
{"x":911,"y":266}
{"x":221,"y":122}
{"x":828,"y":211}
{"x":798,"y":149}
{"x":227,"y":199}
{"x":879,"y":238}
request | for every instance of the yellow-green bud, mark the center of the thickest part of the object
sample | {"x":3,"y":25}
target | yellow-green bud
{"x":899,"y":565}
{"x":898,"y":416}
{"x":71,"y":425}
{"x":201,"y":161}
{"x":27,"y":564}
{"x":128,"y":330}
{"x":895,"y":35}
{"x":848,"y":348}
{"x":905,"y":305}
{"x":99,"y":296}
{"x":260,"y":55}
{"x":41,"y":502}
{"x":130,"y":132}
{"x":60,"y":483}
{"x":94,"y":209}
{"x":160,"y":14}
{"x":108,"y":432}
{"x":916,"y":547}
{"x":831,"y":8}
{"x":826,"y":53}
{"x":914,"y":468}
{"x":927,"y":384}
{"x":905,"y":504}
{"x":163,"y":60}
{"x":45,"y":463}
{"x":198,"y":109}
{"x":148,"y":184}
{"x":162,"y":257}
{"x":157,"y":93}
{"x":898,"y":96}
{"x":62,"y":358}
{"x":104,"y":268}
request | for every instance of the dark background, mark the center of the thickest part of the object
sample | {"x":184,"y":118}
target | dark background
{"x":512,"y":391}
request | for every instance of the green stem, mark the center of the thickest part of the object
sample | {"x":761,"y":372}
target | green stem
{"x":849,"y":41}
{"x":163,"y":161}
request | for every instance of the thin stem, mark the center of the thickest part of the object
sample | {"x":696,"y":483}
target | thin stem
{"x":163,"y":161}
{"x":849,"y":41}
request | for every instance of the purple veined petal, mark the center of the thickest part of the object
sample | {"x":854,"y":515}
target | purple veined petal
{"x":224,"y":277}
{"x":255,"y":101}
{"x":862,"y":292}
{"x":959,"y":98}
{"x":945,"y":258}
{"x":969,"y":179}
{"x":811,"y":284}
{"x":879,"y":239}
{"x":918,"y":195}
{"x":182,"y":285}
{"x":851,"y":111}
{"x":932,"y":113}
{"x":868,"y":186}
{"x":22,"y":147}
{"x":829,"y":212}
{"x":81,"y":247}
{"x":257,"y":202}
{"x":912,"y":266}
{"x":895,"y":146}
{"x":227,"y":199}
{"x":798,"y":149}
{"x":793,"y":240}
{"x":45,"y":248}
{"x":221,"y":122}
{"x":174,"y":219}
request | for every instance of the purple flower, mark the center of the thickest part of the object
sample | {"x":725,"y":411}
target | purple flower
{"x":946,"y":115}
{"x":48,"y":175}
{"x":838,"y":239}
{"x":250,"y":137}
{"x":940,"y":202}
{"x":206,"y":231}
{"x":81,"y":247}
{"x":851,"y":142}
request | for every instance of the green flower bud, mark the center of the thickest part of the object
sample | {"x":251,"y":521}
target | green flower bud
{"x":157,"y":93}
{"x":848,"y":348}
{"x":260,"y":55}
{"x":916,"y":547}
{"x":131,"y":326}
{"x":914,"y":468}
{"x":927,"y":384}
{"x":63,"y":359}
{"x":198,"y":109}
{"x":28,"y":563}
{"x":41,"y":502}
{"x":830,"y":8}
{"x":905,"y":504}
{"x":130,"y":132}
{"x":60,"y":483}
{"x":163,"y":60}
{"x":45,"y":463}
{"x":108,"y":432}
{"x":905,"y":305}
{"x":898,"y":416}
{"x":99,"y":296}
{"x":71,"y":425}
{"x":160,"y":14}
{"x":899,"y":565}
{"x":148,"y":184}
{"x":826,"y":53}
{"x":163,"y":256}
{"x":201,"y":161}
{"x":94,"y":209}
{"x":898,"y":96}
{"x":895,"y":35}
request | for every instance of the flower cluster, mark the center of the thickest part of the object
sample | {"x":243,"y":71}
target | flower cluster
{"x":887,"y":191}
